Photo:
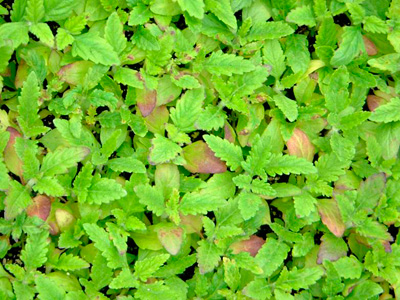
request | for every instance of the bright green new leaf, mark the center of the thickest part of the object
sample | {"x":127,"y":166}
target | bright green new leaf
{"x":225,"y":150}
{"x":152,"y":198}
{"x":208,"y":256}
{"x":49,"y":186}
{"x":211,"y":117}
{"x":114,"y":33}
{"x":147,"y":267}
{"x":127,"y":164}
{"x":388,"y":112}
{"x":104,"y":190}
{"x":17,"y":200}
{"x":365,"y":290}
{"x":28,"y":119}
{"x":145,"y":39}
{"x":269,"y":31}
{"x":220,"y":63}
{"x":348,"y":267}
{"x":48,"y":288}
{"x":34,"y":254}
{"x":287,"y":164}
{"x":304,"y":204}
{"x":302,"y":15}
{"x":139,"y":15}
{"x":350,"y":47}
{"x":296,"y":279}
{"x":103,"y":243}
{"x":195,"y":8}
{"x":249,"y":204}
{"x":163,"y":150}
{"x":287,"y":106}
{"x":35,"y":11}
{"x":17,"y":32}
{"x":271,"y":256}
{"x":187,"y":110}
{"x":223,"y":10}
{"x":69,"y":262}
{"x":62,"y":159}
{"x":90,"y":46}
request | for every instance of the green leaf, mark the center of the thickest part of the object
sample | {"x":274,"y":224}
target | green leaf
{"x":297,"y":279}
{"x":304,"y":204}
{"x":350,"y":47}
{"x":225,"y":150}
{"x":103,"y":243}
{"x":388,"y":62}
{"x":187,"y":110}
{"x":297,"y":53}
{"x":103,"y":190}
{"x":330,"y":167}
{"x":342,"y":147}
{"x":44,"y":33}
{"x":147,"y":267}
{"x":58,"y":10}
{"x":100,"y":98}
{"x":256,"y":186}
{"x":49,"y":186}
{"x":17,"y":32}
{"x":129,"y":77}
{"x":90,"y":46}
{"x":6,"y":51}
{"x":48,"y":288}
{"x":387,"y":112}
{"x":370,"y":191}
{"x":220,"y":63}
{"x":28,"y":118}
{"x":288,"y":164}
{"x":74,"y":25}
{"x":63,"y":39}
{"x":302,"y":15}
{"x":269,"y":31}
{"x":165,"y":7}
{"x":126,"y":164}
{"x":365,"y":290}
{"x":223,"y":10}
{"x":139,"y":15}
{"x":152,"y":197}
{"x":375,"y":25}
{"x":248,"y":204}
{"x":69,"y":262}
{"x":113,"y":33}
{"x":349,"y":267}
{"x":145,"y":39}
{"x":195,"y":8}
{"x":36,"y":247}
{"x":163,"y":150}
{"x":337,"y":93}
{"x":231,"y":273}
{"x":82,"y":182}
{"x":273,"y":56}
{"x":208,"y":256}
{"x":27,"y":151}
{"x":124,"y":280}
{"x":271,"y":256}
{"x":200,"y":202}
{"x":59,"y":161}
{"x":35,"y":11}
{"x":17,"y":200}
{"x":258,"y":289}
{"x":211,"y":118}
{"x":287,"y":106}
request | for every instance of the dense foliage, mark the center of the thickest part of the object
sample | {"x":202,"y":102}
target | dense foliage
{"x":200,"y":149}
